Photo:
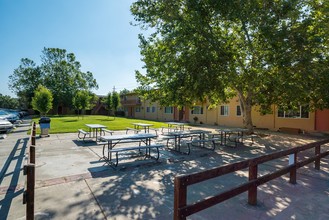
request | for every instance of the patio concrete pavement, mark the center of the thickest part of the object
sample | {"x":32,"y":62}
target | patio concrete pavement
{"x":72,"y":183}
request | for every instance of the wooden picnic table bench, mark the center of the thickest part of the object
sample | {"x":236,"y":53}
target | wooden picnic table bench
{"x":239,"y":138}
{"x":136,"y":131}
{"x":107,"y":131}
{"x":202,"y":141}
{"x":81,"y":131}
{"x":139,"y":148}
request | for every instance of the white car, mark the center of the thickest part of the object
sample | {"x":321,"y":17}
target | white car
{"x":5,"y":126}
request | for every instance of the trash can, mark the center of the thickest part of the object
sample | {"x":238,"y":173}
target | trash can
{"x":44,"y":123}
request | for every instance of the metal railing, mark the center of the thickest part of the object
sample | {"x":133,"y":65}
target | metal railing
{"x":182,"y":209}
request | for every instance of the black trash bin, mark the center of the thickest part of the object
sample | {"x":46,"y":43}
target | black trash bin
{"x":44,"y":123}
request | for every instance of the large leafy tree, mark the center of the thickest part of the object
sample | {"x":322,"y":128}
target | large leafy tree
{"x":265,"y":52}
{"x":63,"y":75}
{"x":8,"y":102}
{"x":25,"y":80}
{"x":59,"y":71}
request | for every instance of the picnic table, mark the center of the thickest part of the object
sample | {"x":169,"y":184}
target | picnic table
{"x":179,"y":135}
{"x":180,"y":125}
{"x":94,"y":129}
{"x":113,"y":140}
{"x":145,"y":127}
{"x":226,"y":133}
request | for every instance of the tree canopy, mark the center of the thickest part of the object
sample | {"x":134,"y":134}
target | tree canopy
{"x":115,"y":100}
{"x":8,"y":102}
{"x":265,"y":52}
{"x":108,"y":103}
{"x":25,"y":80}
{"x":59,"y":71}
{"x":42,"y":100}
{"x":83,"y":100}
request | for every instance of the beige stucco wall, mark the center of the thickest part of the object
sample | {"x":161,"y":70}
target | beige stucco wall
{"x":231,"y":120}
{"x":212,"y":116}
{"x":263,"y":121}
{"x":306,"y":124}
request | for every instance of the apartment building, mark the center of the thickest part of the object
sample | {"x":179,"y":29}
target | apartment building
{"x":226,"y":115}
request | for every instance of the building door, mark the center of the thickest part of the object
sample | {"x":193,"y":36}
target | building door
{"x":322,"y":120}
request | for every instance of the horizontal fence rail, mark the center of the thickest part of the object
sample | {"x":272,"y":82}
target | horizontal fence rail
{"x":182,"y":209}
{"x":29,"y":171}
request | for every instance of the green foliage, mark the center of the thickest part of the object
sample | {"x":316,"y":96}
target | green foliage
{"x":266,"y":52}
{"x":108,"y":102}
{"x":124,"y":92}
{"x":59,"y":72}
{"x":83,"y":100}
{"x":8,"y":102}
{"x":42,"y":100}
{"x":24,"y":81}
{"x":115,"y":100}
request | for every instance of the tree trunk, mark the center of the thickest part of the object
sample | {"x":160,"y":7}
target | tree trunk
{"x":246,"y":108}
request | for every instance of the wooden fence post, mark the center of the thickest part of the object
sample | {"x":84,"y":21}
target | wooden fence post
{"x":30,"y":168}
{"x":252,"y":192}
{"x":317,"y":160}
{"x":293,"y":171}
{"x":179,"y":198}
{"x":32,"y":154}
{"x":33,"y":140}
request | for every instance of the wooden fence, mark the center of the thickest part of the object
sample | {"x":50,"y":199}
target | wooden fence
{"x":182,"y":209}
{"x":29,"y":171}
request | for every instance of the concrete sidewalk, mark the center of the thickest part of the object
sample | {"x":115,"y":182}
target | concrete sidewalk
{"x":72,"y":183}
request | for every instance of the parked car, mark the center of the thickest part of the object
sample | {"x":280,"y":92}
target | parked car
{"x":5,"y":115}
{"x":5,"y":126}
{"x":20,"y":113}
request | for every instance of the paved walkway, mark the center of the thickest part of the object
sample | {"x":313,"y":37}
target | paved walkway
{"x":71,"y":182}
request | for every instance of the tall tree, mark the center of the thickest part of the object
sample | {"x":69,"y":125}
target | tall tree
{"x":59,"y":72}
{"x":108,"y":103}
{"x":42,"y":100}
{"x":8,"y":102}
{"x":83,"y":100}
{"x":115,"y":101}
{"x":25,"y":80}
{"x":63,"y":75}
{"x":265,"y":52}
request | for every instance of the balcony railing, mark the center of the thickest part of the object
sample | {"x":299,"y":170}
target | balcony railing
{"x":131,"y":102}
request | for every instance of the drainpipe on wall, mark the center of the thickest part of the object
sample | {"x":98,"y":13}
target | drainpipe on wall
{"x":274,"y":113}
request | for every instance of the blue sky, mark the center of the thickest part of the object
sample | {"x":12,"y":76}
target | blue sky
{"x":96,"y":31}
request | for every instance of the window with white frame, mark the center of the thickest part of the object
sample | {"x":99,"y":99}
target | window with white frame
{"x":238,"y":110}
{"x":301,"y":112}
{"x":169,"y":110}
{"x":138,"y":109}
{"x":224,"y":110}
{"x":148,"y":109}
{"x":153,"y":108}
{"x":197,"y":110}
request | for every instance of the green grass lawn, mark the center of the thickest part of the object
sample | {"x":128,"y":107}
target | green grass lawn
{"x":71,"y":124}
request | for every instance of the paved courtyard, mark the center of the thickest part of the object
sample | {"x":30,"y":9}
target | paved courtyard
{"x":72,"y":183}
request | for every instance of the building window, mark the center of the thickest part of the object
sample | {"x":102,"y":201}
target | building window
{"x":224,"y":110}
{"x":197,"y":110}
{"x":153,"y":108}
{"x":169,"y":110}
{"x":138,"y":109}
{"x":238,"y":110}
{"x":147,"y":109}
{"x":301,"y":112}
